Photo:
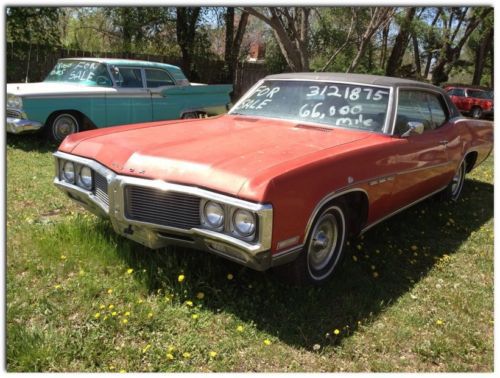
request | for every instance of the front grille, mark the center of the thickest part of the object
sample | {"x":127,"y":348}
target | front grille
{"x":13,"y":113}
{"x":101,"y":188}
{"x":165,"y":208}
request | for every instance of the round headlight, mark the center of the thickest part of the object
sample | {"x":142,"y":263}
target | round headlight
{"x":14,"y":101}
{"x":244,"y":222}
{"x":69,"y":172}
{"x":85,"y":178}
{"x":214,"y":214}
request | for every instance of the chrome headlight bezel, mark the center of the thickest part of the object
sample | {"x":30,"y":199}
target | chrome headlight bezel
{"x":85,"y":181}
{"x":238,"y":228}
{"x":68,"y":177}
{"x":14,"y":101}
{"x":212,"y":208}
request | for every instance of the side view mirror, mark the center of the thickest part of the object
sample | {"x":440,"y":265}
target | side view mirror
{"x":414,"y":128}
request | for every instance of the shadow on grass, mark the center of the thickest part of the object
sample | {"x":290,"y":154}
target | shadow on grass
{"x":307,"y":315}
{"x":31,"y":142}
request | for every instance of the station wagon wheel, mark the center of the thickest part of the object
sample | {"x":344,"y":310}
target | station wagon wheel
{"x":454,"y":188}
{"x":477,"y":112}
{"x":323,"y":250}
{"x":190,"y":115}
{"x":62,"y":125}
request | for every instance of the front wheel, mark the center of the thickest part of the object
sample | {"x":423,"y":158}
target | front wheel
{"x":324,"y":247}
{"x":61,"y":125}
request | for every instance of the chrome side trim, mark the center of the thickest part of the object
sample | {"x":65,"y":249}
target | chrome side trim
{"x":400,"y":210}
{"x":286,"y":256}
{"x":327,"y":199}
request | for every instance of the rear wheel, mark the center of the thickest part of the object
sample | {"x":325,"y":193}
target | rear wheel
{"x":454,"y":188}
{"x":476,"y":112}
{"x":190,"y":115}
{"x":59,"y":126}
{"x":324,"y":248}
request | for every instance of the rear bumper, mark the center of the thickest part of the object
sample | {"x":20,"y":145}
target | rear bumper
{"x":19,"y":125}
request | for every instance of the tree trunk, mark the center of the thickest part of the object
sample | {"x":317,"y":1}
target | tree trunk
{"x":399,"y":48}
{"x":187,"y":17}
{"x":233,"y":42}
{"x":385,"y":37}
{"x":416,"y":52}
{"x":481,"y":54}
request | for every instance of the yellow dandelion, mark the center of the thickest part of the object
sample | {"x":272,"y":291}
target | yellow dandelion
{"x":150,"y":315}
{"x":106,"y":317}
{"x":113,"y":313}
{"x":57,"y":286}
{"x":63,"y":257}
{"x":170,"y":356}
{"x":230,"y":276}
{"x":124,"y":321}
{"x":439,"y":322}
{"x":97,"y":315}
{"x":336,"y":331}
{"x":123,"y":371}
{"x":127,"y":313}
{"x":189,"y":303}
{"x":200,"y":295}
{"x":140,"y":301}
{"x":181,"y":277}
{"x":146,"y":348}
{"x":112,"y":367}
{"x":186,"y":355}
{"x":110,"y":291}
{"x":81,"y":272}
{"x":171,"y":349}
{"x":195,"y":316}
{"x":240,"y":328}
{"x":130,"y":271}
{"x":111,"y":306}
{"x":101,"y":307}
{"x":212,"y":354}
{"x":267,"y":342}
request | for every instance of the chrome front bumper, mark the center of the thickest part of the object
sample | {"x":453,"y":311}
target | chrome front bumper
{"x":19,"y":125}
{"x":256,"y":254}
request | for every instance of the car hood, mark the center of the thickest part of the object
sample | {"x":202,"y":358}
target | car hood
{"x":49,"y":88}
{"x":230,"y":154}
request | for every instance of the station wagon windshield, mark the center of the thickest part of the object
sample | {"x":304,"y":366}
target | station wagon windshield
{"x":80,"y":72}
{"x":333,"y":104}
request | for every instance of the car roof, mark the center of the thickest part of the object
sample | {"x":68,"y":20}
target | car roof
{"x":125,"y":62}
{"x":353,"y":78}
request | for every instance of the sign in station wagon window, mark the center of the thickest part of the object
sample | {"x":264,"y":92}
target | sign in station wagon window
{"x":332,"y":104}
{"x":157,"y":78}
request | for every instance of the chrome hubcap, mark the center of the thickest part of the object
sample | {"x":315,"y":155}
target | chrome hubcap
{"x":63,"y":126}
{"x":323,"y":242}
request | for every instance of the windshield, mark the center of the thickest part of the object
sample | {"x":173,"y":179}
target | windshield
{"x":333,"y":104}
{"x":80,"y":72}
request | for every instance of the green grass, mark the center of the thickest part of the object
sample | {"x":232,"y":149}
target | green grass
{"x":415,"y":292}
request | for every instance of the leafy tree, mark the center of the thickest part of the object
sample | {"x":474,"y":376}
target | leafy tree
{"x":34,"y":25}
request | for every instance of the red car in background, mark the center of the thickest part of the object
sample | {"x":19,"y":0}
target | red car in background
{"x":477,"y":103}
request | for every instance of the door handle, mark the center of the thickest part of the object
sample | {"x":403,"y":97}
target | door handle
{"x":443,"y":142}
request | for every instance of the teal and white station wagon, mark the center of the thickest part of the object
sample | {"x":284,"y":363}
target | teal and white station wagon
{"x":86,"y":93}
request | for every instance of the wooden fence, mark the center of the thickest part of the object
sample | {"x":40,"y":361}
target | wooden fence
{"x":32,"y":63}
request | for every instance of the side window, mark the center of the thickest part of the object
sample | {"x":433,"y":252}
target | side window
{"x":127,"y":77}
{"x":438,"y":112}
{"x":460,"y":92}
{"x":157,"y":78}
{"x":412,"y":107}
